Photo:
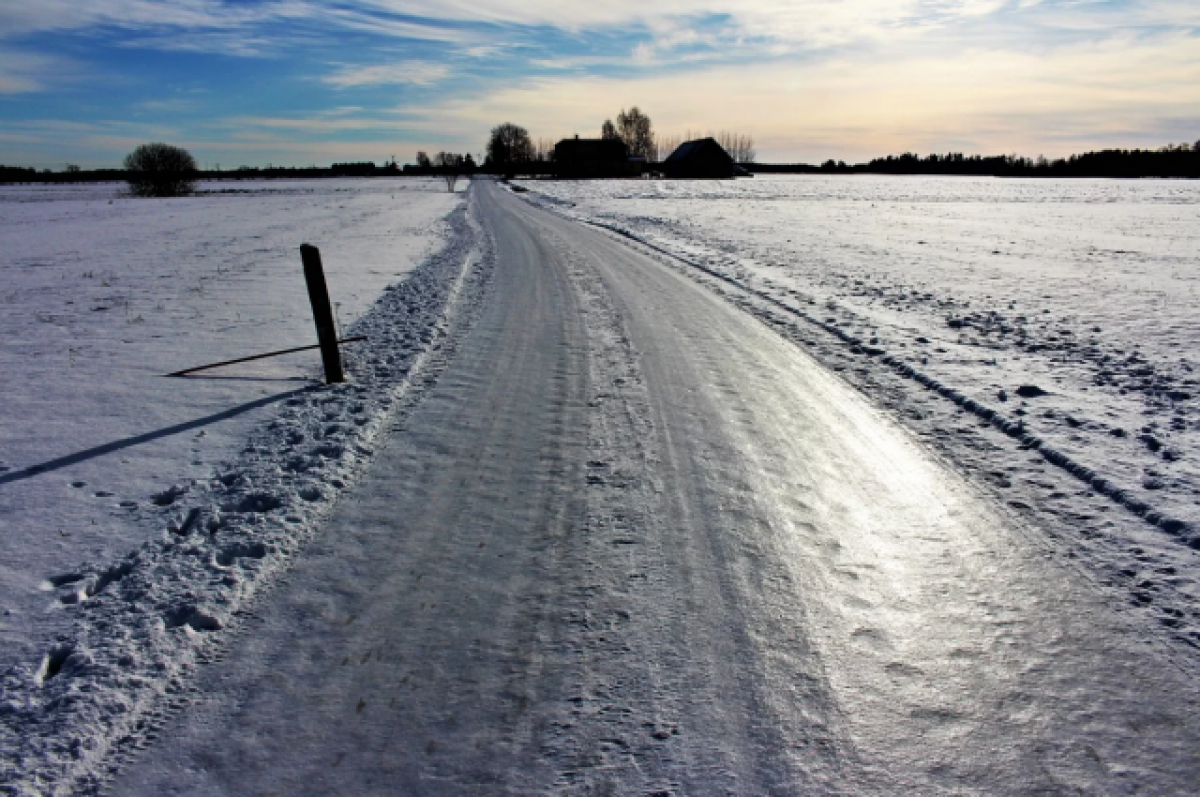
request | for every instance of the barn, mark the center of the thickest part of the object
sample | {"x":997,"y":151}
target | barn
{"x":581,"y":158}
{"x":703,"y":158}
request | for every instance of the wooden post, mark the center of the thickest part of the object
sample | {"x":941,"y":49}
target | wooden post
{"x":318,"y":294}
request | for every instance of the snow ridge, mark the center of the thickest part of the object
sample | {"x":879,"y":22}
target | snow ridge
{"x":1183,"y":531}
{"x":141,"y":624}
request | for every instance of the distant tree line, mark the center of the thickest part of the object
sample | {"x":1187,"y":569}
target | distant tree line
{"x":364,"y":169}
{"x":1173,"y":160}
{"x":510,"y":149}
{"x":22,"y":174}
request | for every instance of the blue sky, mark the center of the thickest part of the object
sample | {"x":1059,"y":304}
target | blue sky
{"x":296,"y":82}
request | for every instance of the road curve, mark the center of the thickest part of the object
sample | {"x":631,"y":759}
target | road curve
{"x":635,"y":542}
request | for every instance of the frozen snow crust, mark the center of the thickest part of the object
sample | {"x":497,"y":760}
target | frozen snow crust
{"x":141,"y":623}
{"x":1051,"y":403}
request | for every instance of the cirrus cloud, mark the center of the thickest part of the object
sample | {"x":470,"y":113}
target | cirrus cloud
{"x":418,"y":73}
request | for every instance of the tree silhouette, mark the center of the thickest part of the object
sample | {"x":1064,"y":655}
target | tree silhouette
{"x":509,"y":144}
{"x":607,"y":130}
{"x":160,"y":170}
{"x":635,"y":130}
{"x":740,"y":147}
{"x":452,"y":167}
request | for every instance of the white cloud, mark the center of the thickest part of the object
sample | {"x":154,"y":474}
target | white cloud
{"x":808,"y":78}
{"x":806,"y":22}
{"x":316,"y":125}
{"x":21,"y":17}
{"x":23,"y":72}
{"x":55,"y":15}
{"x":772,"y":23}
{"x":987,"y":100}
{"x":418,"y":73}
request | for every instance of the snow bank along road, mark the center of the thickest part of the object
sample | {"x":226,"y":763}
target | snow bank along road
{"x":634,"y":541}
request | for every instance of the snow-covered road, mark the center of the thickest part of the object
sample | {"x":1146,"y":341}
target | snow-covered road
{"x":634,"y":541}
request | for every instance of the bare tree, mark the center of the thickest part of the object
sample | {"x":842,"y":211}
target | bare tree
{"x":451,"y":167}
{"x":607,"y":130}
{"x":544,"y":150}
{"x":635,"y":130}
{"x":423,"y":160}
{"x":509,"y":144}
{"x":160,"y":170}
{"x":665,"y":145}
{"x":740,"y":147}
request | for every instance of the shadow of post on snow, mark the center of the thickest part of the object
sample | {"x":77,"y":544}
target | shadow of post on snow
{"x":129,"y":442}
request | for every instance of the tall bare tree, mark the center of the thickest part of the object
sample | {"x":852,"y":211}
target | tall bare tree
{"x":665,"y":145}
{"x":635,"y":130}
{"x":740,"y":147}
{"x":544,"y":150}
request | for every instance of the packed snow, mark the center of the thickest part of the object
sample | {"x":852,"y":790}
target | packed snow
{"x":1058,"y":314}
{"x":141,"y":512}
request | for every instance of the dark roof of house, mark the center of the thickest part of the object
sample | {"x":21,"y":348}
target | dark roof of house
{"x":689,"y":148}
{"x":608,"y":148}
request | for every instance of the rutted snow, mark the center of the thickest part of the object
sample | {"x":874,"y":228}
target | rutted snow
{"x":979,"y":291}
{"x":127,"y":627}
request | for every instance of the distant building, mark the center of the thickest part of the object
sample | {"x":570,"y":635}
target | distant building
{"x":703,"y":158}
{"x":582,"y":158}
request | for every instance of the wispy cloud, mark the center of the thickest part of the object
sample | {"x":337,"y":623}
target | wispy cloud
{"x":419,"y":73}
{"x":173,"y":105}
{"x":314,"y":124}
{"x":808,"y":78}
{"x":991,"y":100}
{"x":243,"y":44}
{"x":24,"y":72}
{"x":21,"y":18}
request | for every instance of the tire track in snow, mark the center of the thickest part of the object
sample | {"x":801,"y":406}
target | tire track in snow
{"x":1146,"y":562}
{"x":1177,"y":528}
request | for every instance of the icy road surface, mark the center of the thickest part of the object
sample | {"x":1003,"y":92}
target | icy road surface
{"x":635,"y":542}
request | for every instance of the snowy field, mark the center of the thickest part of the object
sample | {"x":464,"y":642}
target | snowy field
{"x":1060,"y":314}
{"x":635,"y":541}
{"x":102,"y":294}
{"x":1036,"y":336}
{"x":138,"y":512}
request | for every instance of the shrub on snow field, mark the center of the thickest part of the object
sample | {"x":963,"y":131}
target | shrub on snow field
{"x":160,"y":170}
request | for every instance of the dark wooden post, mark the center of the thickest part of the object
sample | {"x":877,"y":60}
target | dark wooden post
{"x":318,"y":294}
